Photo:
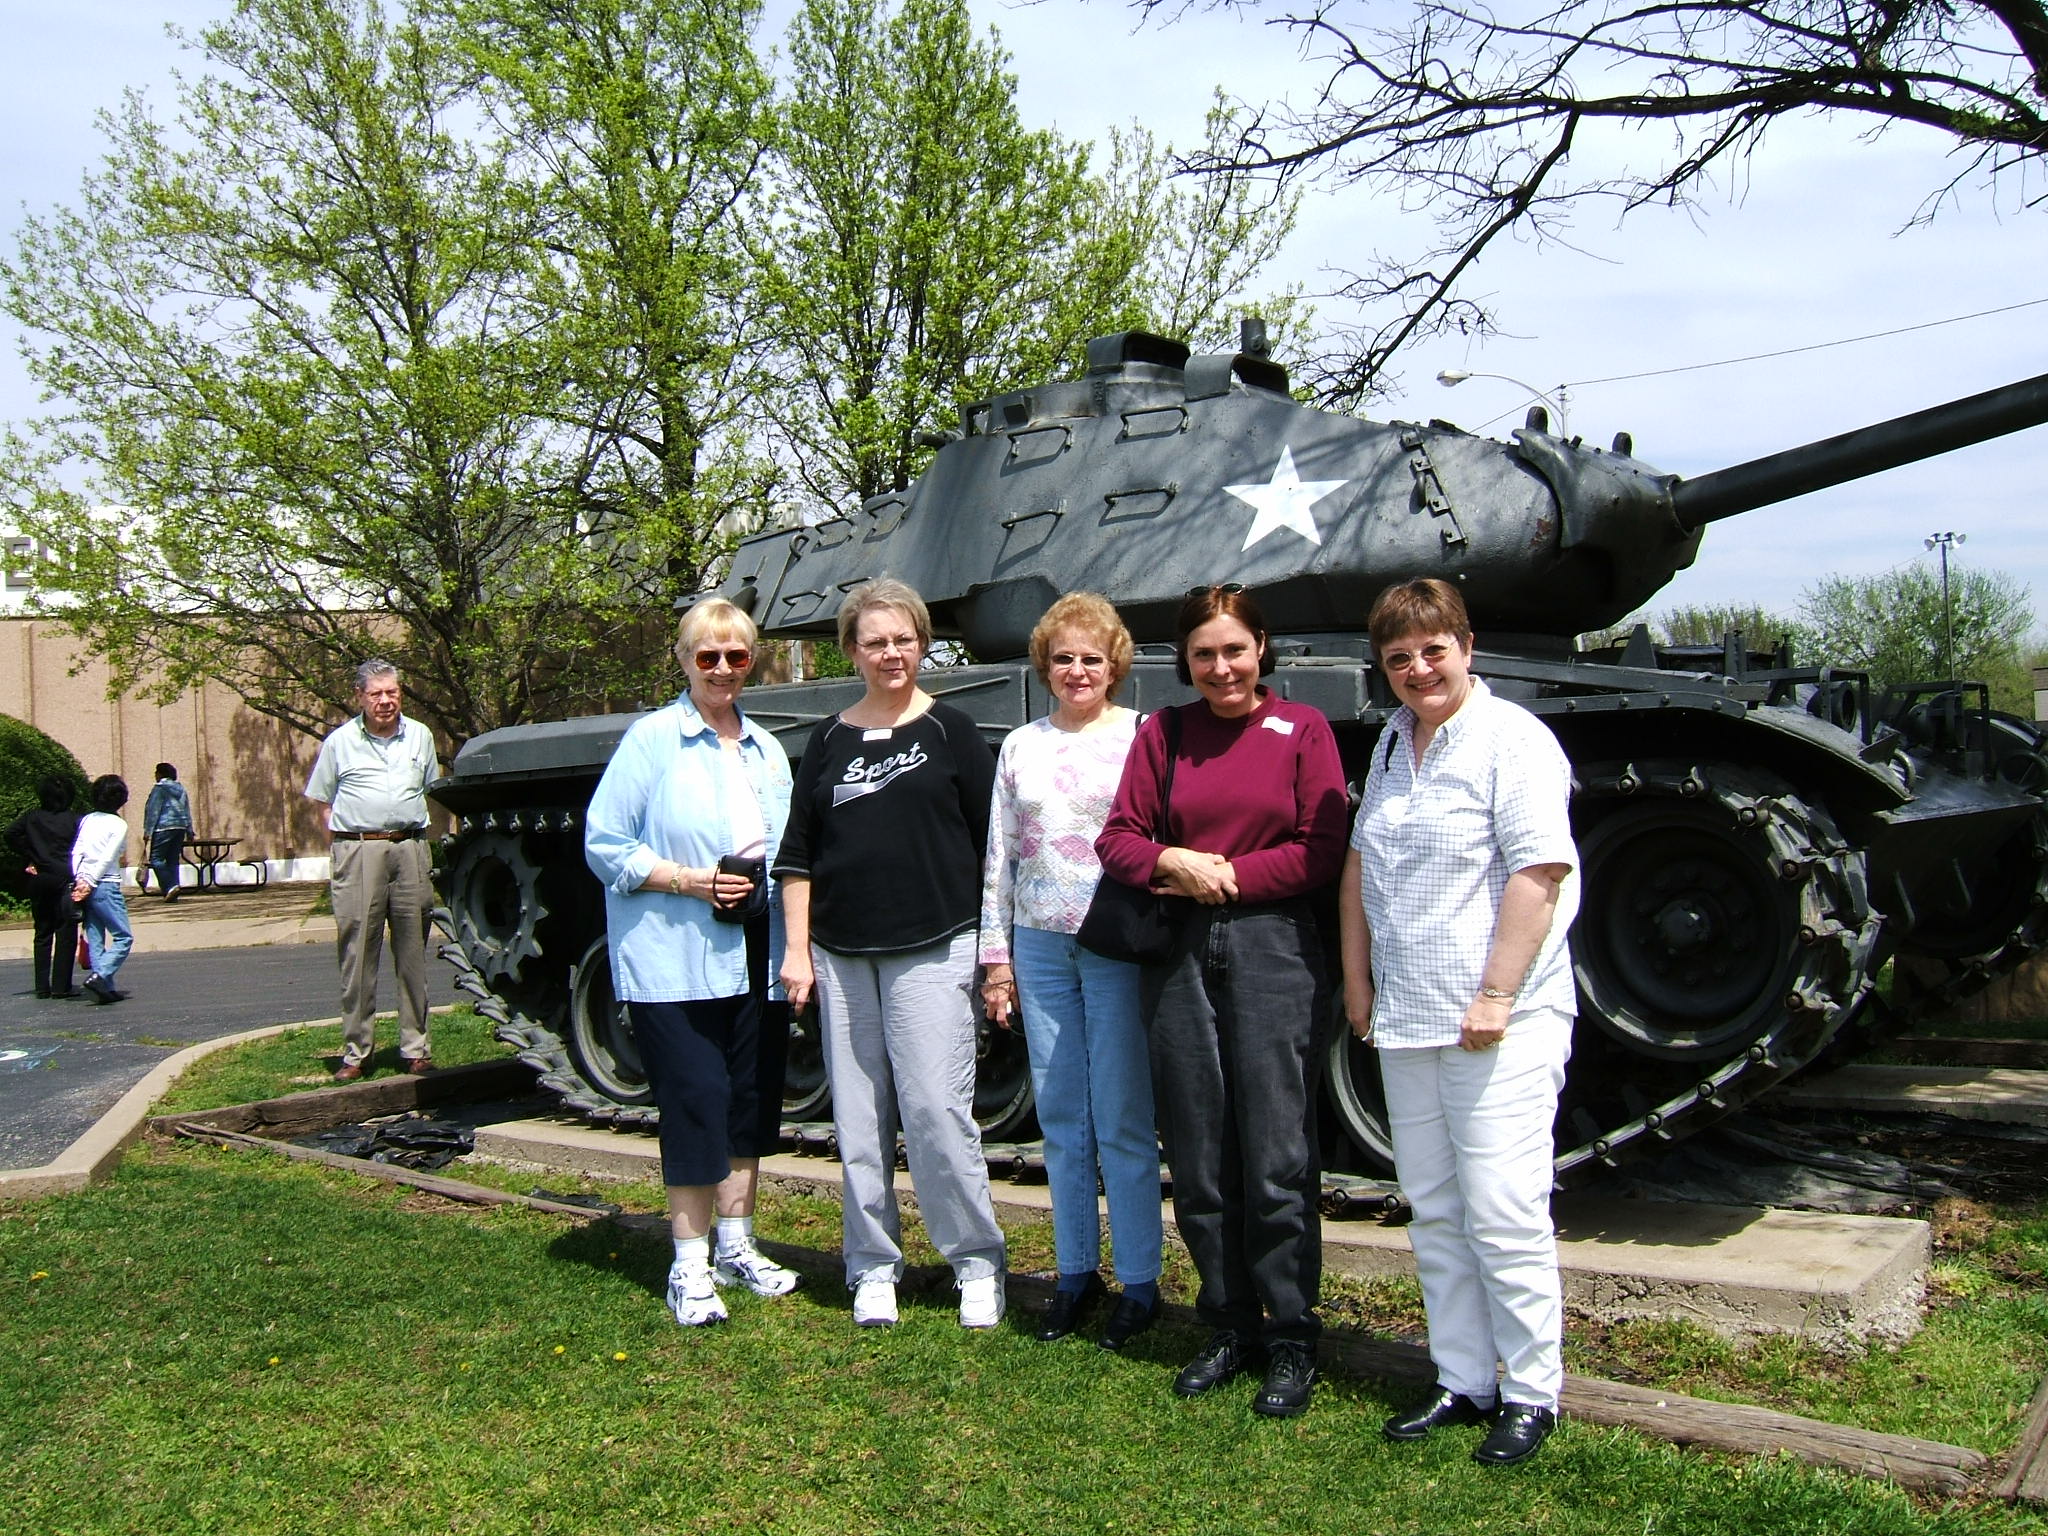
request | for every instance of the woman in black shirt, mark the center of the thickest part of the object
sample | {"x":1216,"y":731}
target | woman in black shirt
{"x":881,"y":896}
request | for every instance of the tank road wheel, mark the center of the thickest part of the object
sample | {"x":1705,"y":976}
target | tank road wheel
{"x":1724,"y":936}
{"x":1360,"y":1099}
{"x":600,"y":1039}
{"x":806,"y":1095}
{"x":1002,"y":1081}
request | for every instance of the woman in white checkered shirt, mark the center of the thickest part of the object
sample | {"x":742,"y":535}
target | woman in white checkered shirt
{"x":1457,"y":895}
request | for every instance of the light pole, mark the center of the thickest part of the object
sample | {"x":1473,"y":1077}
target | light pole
{"x":1945,"y":542}
{"x":1560,"y":402}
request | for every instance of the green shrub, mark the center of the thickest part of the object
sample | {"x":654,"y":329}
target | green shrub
{"x":26,"y":754}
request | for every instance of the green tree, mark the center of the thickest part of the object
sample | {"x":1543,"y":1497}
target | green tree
{"x":927,"y":248}
{"x":300,"y":341}
{"x":1891,"y":625}
{"x":1760,"y":628}
{"x":643,"y":126}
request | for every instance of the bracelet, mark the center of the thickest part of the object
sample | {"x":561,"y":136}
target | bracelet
{"x":1497,"y":994}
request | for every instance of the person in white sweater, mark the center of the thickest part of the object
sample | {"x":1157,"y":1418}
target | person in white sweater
{"x":96,"y":860}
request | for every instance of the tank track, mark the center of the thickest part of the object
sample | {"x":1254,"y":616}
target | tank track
{"x":1672,"y":852}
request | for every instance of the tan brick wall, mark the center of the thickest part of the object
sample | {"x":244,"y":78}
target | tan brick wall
{"x":244,"y":771}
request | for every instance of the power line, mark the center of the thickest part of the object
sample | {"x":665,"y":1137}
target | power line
{"x":1819,"y":346}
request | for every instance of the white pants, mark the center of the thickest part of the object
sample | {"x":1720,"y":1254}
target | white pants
{"x":1472,"y":1149}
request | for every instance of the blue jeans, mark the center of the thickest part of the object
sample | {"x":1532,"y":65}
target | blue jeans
{"x":1093,"y":1081}
{"x":107,"y":935}
{"x":165,"y":846}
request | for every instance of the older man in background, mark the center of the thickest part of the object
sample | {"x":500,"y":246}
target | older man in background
{"x":373,"y":775}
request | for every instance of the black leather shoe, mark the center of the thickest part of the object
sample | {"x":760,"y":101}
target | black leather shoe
{"x":1290,"y":1378}
{"x":1226,"y":1353}
{"x":1447,"y":1407}
{"x":1517,"y":1431}
{"x":1129,"y":1318}
{"x":1063,"y":1315}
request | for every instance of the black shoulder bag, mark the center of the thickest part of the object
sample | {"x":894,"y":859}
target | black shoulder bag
{"x":1124,"y":922}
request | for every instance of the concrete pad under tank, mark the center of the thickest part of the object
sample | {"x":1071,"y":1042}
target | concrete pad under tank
{"x":1738,"y":1270}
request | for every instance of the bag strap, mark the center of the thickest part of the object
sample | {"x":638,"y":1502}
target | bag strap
{"x":1161,"y":833}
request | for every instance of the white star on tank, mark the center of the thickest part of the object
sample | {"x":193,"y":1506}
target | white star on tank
{"x":1284,"y":502}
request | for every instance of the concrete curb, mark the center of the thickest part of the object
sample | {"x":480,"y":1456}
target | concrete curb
{"x":93,"y":1156}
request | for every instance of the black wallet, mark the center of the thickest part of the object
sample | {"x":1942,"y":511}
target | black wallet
{"x":756,"y":901}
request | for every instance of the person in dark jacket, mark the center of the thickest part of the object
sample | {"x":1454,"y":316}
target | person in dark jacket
{"x":43,"y":839}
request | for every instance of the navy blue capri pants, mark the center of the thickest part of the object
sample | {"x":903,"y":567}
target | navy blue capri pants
{"x":715,"y":1068}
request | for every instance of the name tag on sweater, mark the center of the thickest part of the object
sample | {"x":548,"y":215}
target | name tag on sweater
{"x":1275,"y":723}
{"x":882,"y":733}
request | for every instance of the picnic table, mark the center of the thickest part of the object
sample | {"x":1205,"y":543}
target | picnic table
{"x":207,"y":854}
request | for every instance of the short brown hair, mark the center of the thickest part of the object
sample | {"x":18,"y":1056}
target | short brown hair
{"x":884,"y":592}
{"x":1425,"y":606}
{"x":1095,"y":618}
{"x":1227,"y":601}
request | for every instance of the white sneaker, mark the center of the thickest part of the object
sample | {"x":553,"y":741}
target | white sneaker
{"x":982,"y":1302}
{"x":750,"y":1267}
{"x":693,"y":1298}
{"x":874,"y":1302}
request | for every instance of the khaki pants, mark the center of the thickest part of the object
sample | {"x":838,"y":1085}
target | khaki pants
{"x":379,"y":885}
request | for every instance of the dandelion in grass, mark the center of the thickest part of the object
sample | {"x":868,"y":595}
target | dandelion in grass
{"x":619,"y":1354}
{"x":41,"y":1274}
{"x":561,"y":1349}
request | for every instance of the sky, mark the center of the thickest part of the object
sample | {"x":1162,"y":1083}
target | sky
{"x":1813,"y":246}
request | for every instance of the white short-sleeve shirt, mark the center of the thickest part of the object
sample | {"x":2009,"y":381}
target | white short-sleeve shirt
{"x":1436,"y":845}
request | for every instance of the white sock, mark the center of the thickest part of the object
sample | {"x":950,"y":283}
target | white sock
{"x":693,"y":1253}
{"x":735,"y":1233}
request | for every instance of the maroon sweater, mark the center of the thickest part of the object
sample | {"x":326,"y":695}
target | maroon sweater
{"x":1265,"y":791}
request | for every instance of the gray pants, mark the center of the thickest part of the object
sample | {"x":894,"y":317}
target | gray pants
{"x":378,"y":886}
{"x":899,"y":1043}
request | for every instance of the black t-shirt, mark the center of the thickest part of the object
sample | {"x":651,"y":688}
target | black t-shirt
{"x":889,"y":827}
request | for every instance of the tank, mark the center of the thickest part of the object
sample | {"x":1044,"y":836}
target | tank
{"x":1760,"y":840}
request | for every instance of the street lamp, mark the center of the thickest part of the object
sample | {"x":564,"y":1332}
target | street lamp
{"x":1560,"y":403}
{"x":1945,"y":542}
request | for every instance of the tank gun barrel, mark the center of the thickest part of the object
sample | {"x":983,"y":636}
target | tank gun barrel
{"x":1867,"y":451}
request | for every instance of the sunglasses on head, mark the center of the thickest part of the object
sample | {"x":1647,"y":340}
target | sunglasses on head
{"x":1227,"y":588}
{"x":737,"y":657}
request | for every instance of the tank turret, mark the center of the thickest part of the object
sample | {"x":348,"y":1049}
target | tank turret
{"x":1758,"y":838}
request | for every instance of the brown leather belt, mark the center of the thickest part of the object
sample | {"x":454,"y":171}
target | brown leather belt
{"x":403,"y":835}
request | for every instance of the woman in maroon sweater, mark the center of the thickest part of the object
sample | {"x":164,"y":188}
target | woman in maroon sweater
{"x":1257,"y":815}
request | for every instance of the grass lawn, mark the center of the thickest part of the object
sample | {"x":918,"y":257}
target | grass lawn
{"x":218,"y":1342}
{"x":221,"y":1342}
{"x":305,"y":1058}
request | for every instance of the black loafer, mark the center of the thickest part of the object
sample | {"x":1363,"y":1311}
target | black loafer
{"x":1129,"y":1318}
{"x":1064,"y":1313}
{"x":1290,"y":1379}
{"x":1447,"y":1407}
{"x":1226,"y":1353}
{"x":1517,"y":1431}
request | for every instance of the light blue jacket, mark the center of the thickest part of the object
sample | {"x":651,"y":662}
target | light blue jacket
{"x":659,"y":799}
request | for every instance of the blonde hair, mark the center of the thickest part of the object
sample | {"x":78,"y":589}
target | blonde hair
{"x":1094,"y":617}
{"x":883,"y":592}
{"x":714,"y":616}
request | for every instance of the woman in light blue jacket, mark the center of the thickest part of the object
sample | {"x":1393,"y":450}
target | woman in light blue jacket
{"x":682,"y":831}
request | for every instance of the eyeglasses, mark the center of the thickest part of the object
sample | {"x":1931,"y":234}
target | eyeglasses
{"x":1436,"y":654}
{"x":1091,"y":660}
{"x":1227,"y":588}
{"x":878,"y":646}
{"x":737,"y":657}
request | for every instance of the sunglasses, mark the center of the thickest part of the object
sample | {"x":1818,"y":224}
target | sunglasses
{"x":1227,"y":588}
{"x":738,"y":658}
